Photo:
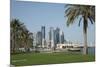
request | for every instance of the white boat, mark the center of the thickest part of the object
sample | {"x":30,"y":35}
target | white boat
{"x":74,"y":49}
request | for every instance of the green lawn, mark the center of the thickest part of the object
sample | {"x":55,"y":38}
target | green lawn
{"x":49,"y":58}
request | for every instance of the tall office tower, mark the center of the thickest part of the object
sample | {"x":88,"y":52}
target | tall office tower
{"x":43,"y":36}
{"x":54,"y":36}
{"x":34,"y":41}
{"x":61,"y":37}
{"x":55,"y":39}
{"x":47,"y":41}
{"x":58,"y":35}
{"x":39,"y":39}
{"x":51,"y":37}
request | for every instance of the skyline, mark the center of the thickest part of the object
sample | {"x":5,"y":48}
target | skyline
{"x":35,"y":14}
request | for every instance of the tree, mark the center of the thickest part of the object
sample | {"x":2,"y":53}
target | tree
{"x":15,"y":27}
{"x":20,"y":36}
{"x":85,"y":13}
{"x":25,"y":38}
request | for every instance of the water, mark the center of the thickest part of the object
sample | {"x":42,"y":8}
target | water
{"x":91,"y":50}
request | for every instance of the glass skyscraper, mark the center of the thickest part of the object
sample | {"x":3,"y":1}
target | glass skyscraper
{"x":39,"y":38}
{"x":51,"y":37}
{"x":43,"y":36}
{"x":57,"y":31}
{"x":43,"y":32}
{"x":62,"y":37}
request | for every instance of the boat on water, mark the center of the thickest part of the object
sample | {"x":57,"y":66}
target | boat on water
{"x":74,"y":49}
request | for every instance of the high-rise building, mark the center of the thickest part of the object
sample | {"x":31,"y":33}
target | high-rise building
{"x":51,"y":37}
{"x":58,"y":35}
{"x":55,"y":39}
{"x":39,"y":38}
{"x":43,"y":36}
{"x":43,"y":31}
{"x":34,"y":41}
{"x":61,"y":37}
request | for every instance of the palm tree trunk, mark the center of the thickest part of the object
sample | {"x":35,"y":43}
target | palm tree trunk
{"x":85,"y":43}
{"x":14,"y":43}
{"x":85,"y":36}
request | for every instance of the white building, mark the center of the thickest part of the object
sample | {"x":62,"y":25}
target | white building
{"x":65,"y":46}
{"x":34,"y":37}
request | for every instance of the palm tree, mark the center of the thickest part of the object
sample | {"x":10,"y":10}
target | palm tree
{"x":26,"y":38}
{"x":20,"y":36}
{"x":85,"y":13}
{"x":15,"y":27}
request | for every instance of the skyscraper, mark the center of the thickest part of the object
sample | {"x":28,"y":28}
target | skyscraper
{"x":55,"y":39}
{"x":61,"y":37}
{"x":34,"y":36}
{"x":43,"y":36}
{"x":58,"y":35}
{"x":39,"y":39}
{"x":51,"y":37}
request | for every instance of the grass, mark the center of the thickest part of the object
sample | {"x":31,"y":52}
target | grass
{"x":49,"y":58}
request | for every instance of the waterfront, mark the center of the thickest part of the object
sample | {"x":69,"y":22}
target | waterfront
{"x":91,"y":50}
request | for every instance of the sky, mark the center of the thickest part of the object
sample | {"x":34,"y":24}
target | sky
{"x":36,"y":14}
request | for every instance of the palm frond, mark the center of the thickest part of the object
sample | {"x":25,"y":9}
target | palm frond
{"x":67,"y":5}
{"x":67,"y":11}
{"x":75,"y":11}
{"x":79,"y":21}
{"x":91,"y":20}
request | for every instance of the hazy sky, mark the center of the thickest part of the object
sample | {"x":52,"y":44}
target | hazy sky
{"x":35,"y":14}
